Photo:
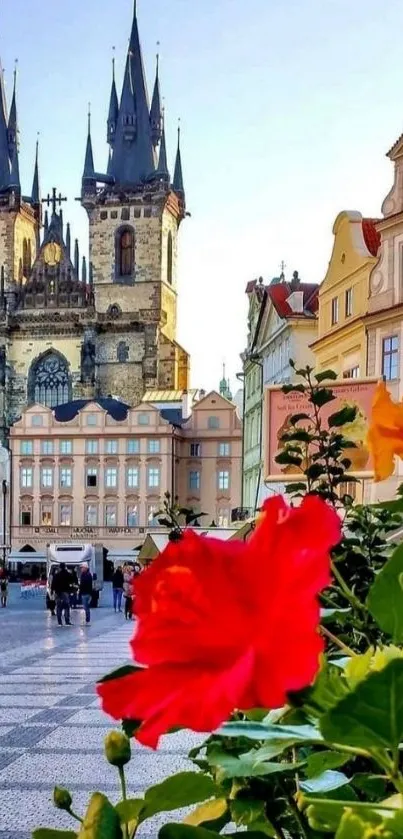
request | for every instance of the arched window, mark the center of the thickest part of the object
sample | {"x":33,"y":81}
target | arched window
{"x":169,"y":258}
{"x":25,"y":258}
{"x":122,"y":352}
{"x":49,"y":381}
{"x":125,"y":252}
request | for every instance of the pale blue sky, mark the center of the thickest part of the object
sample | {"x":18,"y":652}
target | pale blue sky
{"x":287,"y":107}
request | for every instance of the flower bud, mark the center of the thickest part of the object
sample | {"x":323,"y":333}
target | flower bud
{"x":117,"y":748}
{"x":62,"y":799}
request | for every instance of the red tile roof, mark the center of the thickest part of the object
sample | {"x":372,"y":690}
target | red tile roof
{"x":280,"y":292}
{"x":371,"y":235}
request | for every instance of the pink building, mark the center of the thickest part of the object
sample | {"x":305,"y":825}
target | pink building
{"x":99,"y":470}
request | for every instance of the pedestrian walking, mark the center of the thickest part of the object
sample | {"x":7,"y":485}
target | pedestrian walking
{"x":61,"y":587}
{"x":117,"y":584}
{"x":74,"y":589}
{"x":128,"y":592}
{"x":86,"y":592}
{"x":3,"y":589}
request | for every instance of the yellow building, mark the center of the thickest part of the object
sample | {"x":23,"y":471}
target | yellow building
{"x":343,"y":297}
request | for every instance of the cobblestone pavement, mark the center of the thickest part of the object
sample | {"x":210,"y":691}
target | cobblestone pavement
{"x":51,"y":727}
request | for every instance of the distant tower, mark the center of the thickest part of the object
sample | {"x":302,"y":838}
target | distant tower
{"x":225,"y":388}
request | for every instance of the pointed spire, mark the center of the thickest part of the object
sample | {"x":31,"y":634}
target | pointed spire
{"x":113,"y":114}
{"x":15,"y":170}
{"x":13,"y":130}
{"x":68,"y":240}
{"x":156,"y":113}
{"x":89,"y":157}
{"x":36,"y":193}
{"x":4,"y":153}
{"x":162,"y":171}
{"x":133,"y":157}
{"x":178,"y":175}
{"x":109,"y":166}
{"x":46,"y":223}
{"x":84,"y":271}
{"x":61,"y":224}
{"x":76,"y":258}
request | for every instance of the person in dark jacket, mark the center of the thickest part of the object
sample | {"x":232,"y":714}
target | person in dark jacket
{"x":61,"y":587}
{"x":86,"y":590}
{"x":118,"y":582}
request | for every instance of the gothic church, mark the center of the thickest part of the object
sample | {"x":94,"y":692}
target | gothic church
{"x":69,"y":330}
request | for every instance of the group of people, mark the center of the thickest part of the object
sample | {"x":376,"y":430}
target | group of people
{"x":122,"y":585}
{"x":64,"y":587}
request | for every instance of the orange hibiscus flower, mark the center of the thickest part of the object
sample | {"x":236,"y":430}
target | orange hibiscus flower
{"x":225,"y":625}
{"x":385,"y":435}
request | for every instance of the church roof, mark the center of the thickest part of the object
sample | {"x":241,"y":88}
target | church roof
{"x":4,"y":153}
{"x":280,"y":293}
{"x":116,"y":409}
{"x":371,"y":235}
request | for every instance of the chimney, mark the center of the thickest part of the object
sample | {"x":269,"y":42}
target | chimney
{"x":186,"y":405}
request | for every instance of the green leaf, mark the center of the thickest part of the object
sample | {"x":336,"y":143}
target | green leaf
{"x":353,"y":827}
{"x":371,"y":716}
{"x":325,"y":782}
{"x":209,"y":811}
{"x":129,"y":811}
{"x":120,"y":673}
{"x":187,"y":831}
{"x":180,"y":790}
{"x":286,"y":459}
{"x":46,"y":833}
{"x":385,"y":598}
{"x":287,"y":735}
{"x":300,"y":435}
{"x":319,"y":762}
{"x":296,"y":487}
{"x":329,"y":687}
{"x":342,"y":417}
{"x":246,"y":811}
{"x":298,"y":417}
{"x":314,"y":471}
{"x":249,"y":765}
{"x":326,"y":374}
{"x":293,"y":389}
{"x":101,"y":820}
{"x":322,"y":397}
{"x":326,"y":814}
{"x":373,"y":786}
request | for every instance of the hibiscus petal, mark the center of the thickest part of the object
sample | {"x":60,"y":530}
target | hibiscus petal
{"x":385,"y":435}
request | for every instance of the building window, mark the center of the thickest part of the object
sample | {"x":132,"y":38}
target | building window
{"x":352,"y":373}
{"x":194,"y":480}
{"x":349,"y":302}
{"x":92,"y":476}
{"x":169,"y":258}
{"x":110,"y":515}
{"x":153,"y":477}
{"x":66,"y":447}
{"x":224,"y":517}
{"x":91,"y":446}
{"x":26,"y":515}
{"x":133,"y":446}
{"x":213,"y":422}
{"x":132,"y":477}
{"x":47,"y":447}
{"x":223,"y":480}
{"x":46,"y":514}
{"x":49,"y":381}
{"x":92,"y":419}
{"x":111,"y":477}
{"x":65,"y":515}
{"x":112,"y":447}
{"x":46,"y":476}
{"x":27,"y":447}
{"x":26,"y":476}
{"x":224,"y":449}
{"x":144,"y":419}
{"x":91,"y":515}
{"x":335,"y":310}
{"x":153,"y":515}
{"x":132,"y":517}
{"x":348,"y":488}
{"x":195,"y":450}
{"x":390,"y":357}
{"x":122,"y":352}
{"x":154,"y":446}
{"x":125,"y":252}
{"x":66,"y":477}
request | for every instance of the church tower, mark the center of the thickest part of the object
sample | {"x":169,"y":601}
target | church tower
{"x":135,"y":211}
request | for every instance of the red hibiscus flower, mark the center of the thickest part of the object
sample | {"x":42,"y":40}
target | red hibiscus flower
{"x":227,"y":625}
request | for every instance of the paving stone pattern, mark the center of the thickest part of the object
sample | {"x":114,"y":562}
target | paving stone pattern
{"x":51,"y":727}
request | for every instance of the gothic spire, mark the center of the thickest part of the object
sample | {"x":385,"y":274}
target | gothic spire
{"x":4,"y":153}
{"x":162,"y":171}
{"x":89,"y":170}
{"x":15,"y":170}
{"x":178,"y":186}
{"x":156,"y":112}
{"x":113,"y":108}
{"x":36,"y":195}
{"x":133,"y":157}
{"x":13,"y":130}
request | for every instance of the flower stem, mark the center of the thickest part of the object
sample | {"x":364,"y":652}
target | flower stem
{"x":75,"y":816}
{"x":335,"y":640}
{"x":346,"y":591}
{"x":124,"y":796}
